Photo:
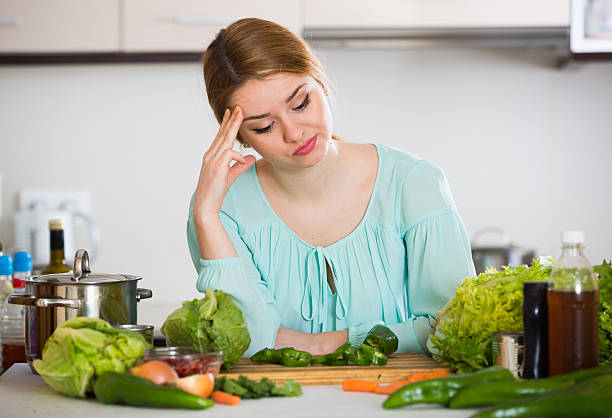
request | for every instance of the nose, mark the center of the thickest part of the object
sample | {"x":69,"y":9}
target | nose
{"x":293,"y":132}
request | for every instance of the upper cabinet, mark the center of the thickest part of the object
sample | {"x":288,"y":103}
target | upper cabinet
{"x":190,"y":25}
{"x":47,"y":27}
{"x":59,"y":26}
{"x":354,"y":14}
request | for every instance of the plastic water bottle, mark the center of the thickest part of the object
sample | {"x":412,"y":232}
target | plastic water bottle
{"x":573,"y":309}
{"x":6,"y":285}
{"x":12,"y":317}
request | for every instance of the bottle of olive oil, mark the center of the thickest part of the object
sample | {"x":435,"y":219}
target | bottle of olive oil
{"x":58,"y":258}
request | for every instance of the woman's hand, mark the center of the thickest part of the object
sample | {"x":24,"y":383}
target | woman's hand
{"x":316,"y":344}
{"x":217,"y":173}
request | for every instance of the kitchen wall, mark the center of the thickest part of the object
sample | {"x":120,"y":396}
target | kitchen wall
{"x":525,"y":146}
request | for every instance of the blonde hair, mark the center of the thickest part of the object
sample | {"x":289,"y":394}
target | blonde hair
{"x":254,"y":48}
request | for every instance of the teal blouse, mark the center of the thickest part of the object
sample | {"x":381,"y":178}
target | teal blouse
{"x":398,"y":267}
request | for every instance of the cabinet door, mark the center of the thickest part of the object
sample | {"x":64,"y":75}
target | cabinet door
{"x":435,"y":13}
{"x":48,"y":26}
{"x":190,"y":25}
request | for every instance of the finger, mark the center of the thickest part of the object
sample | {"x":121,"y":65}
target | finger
{"x":226,"y":136}
{"x":219,"y":137}
{"x":240,"y":167}
{"x":234,"y":125}
{"x":228,"y":155}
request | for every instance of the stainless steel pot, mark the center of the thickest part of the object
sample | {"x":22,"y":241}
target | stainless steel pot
{"x":502,"y":252}
{"x":52,"y":299}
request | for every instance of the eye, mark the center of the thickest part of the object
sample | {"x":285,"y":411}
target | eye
{"x":303,"y":105}
{"x":264,"y":130}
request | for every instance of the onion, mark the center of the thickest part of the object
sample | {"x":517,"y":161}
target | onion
{"x":157,"y":371}
{"x":196,"y":384}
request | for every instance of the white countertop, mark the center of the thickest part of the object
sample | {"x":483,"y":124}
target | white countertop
{"x":24,"y":394}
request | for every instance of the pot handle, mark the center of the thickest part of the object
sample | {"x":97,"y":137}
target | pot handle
{"x":143,"y":294}
{"x":30,"y":300}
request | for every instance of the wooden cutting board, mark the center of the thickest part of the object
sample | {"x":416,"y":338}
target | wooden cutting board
{"x":400,"y":366}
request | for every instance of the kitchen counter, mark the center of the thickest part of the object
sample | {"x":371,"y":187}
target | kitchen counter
{"x":24,"y":394}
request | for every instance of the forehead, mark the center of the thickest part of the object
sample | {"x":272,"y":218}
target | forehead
{"x":274,"y":88}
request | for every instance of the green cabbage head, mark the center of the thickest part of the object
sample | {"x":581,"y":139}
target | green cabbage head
{"x":214,"y":322}
{"x":82,"y":348}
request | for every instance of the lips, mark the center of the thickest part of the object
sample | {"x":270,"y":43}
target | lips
{"x":306,"y":147}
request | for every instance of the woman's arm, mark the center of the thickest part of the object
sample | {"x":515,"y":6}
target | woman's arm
{"x":315,"y":344}
{"x":216,"y":176}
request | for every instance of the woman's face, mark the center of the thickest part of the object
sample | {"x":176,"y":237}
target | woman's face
{"x":286,"y":119}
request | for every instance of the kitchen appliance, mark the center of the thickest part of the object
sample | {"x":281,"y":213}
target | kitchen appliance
{"x":31,"y":229}
{"x":52,"y":299}
{"x":499,"y":252}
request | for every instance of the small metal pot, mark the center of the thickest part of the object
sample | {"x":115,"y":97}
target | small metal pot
{"x":52,"y":299}
{"x":503,"y":253}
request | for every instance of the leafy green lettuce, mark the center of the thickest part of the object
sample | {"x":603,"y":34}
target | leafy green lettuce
{"x":490,"y":302}
{"x":81,"y":349}
{"x":604,"y":271}
{"x":212,"y":322}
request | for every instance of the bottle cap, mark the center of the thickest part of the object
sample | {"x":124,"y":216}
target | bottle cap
{"x":56,"y":224}
{"x":22,"y":261}
{"x":572,"y":237}
{"x":6,"y":265}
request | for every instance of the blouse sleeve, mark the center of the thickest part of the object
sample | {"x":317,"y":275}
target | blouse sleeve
{"x":438,"y":255}
{"x":239,"y":278}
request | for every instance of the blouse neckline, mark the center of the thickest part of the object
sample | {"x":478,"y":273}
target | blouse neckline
{"x":341,"y":240}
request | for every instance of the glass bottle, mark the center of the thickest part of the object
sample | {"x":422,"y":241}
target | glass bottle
{"x":573,"y":308}
{"x":12,"y":317}
{"x":58,"y":258}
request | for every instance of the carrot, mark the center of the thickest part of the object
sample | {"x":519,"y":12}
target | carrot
{"x":438,"y":373}
{"x":391,"y":387}
{"x":358,"y":385}
{"x":225,"y":398}
{"x":416,"y":377}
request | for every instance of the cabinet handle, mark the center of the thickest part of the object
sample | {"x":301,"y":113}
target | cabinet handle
{"x":10,"y":21}
{"x":188,"y":20}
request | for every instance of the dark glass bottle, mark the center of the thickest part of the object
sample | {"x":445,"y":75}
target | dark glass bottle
{"x":58,"y":258}
{"x":535,"y":325}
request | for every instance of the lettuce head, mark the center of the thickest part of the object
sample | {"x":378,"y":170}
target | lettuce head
{"x":212,"y":322}
{"x":82,"y":348}
{"x":482,"y":305}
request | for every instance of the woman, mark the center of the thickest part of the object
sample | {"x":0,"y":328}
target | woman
{"x":320,"y":239}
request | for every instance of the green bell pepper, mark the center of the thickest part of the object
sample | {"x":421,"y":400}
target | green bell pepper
{"x":295,"y":358}
{"x":441,"y":390}
{"x":267,"y":355}
{"x":360,"y":356}
{"x":333,"y":358}
{"x":383,"y":339}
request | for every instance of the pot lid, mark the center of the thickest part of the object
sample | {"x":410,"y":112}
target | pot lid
{"x":82,"y":274}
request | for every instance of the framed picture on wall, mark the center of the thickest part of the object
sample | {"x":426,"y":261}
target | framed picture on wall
{"x":591,"y":26}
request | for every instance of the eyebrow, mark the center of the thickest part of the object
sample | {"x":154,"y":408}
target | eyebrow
{"x":265,"y":115}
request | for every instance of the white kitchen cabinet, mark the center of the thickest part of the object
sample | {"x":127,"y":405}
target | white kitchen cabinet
{"x":189,"y":25}
{"x":59,"y":26}
{"x":344,"y":14}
